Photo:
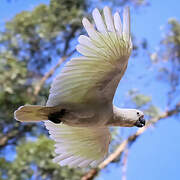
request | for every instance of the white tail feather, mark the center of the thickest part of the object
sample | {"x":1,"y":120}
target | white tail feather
{"x":33,"y":113}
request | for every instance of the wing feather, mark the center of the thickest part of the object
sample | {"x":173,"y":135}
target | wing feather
{"x":109,"y":19}
{"x":93,"y":78}
{"x":99,"y":21}
{"x":77,"y":146}
{"x":118,"y":23}
{"x":90,"y":29}
{"x":95,"y":75}
{"x":126,"y":26}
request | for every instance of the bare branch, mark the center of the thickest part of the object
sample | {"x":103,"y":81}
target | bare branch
{"x":129,"y":141}
{"x":50,"y":73}
{"x":4,"y":139}
{"x":124,"y":164}
{"x":14,"y":133}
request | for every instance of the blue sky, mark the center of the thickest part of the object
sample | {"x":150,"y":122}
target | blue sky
{"x":155,"y":155}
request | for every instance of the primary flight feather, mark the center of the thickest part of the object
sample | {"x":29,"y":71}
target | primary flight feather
{"x":79,"y":109}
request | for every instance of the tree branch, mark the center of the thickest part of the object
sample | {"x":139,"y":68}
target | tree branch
{"x":129,"y":141}
{"x":14,"y":133}
{"x":124,"y":164}
{"x":4,"y":139}
{"x":50,"y":73}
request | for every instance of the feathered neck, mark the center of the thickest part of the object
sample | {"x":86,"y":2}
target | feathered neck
{"x":121,"y":117}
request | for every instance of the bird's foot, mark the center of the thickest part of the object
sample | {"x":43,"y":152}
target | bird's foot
{"x":140,"y":122}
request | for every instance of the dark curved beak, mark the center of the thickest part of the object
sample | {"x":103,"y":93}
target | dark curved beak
{"x":140,"y":122}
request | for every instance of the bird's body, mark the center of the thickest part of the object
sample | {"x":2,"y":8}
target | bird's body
{"x":87,"y":116}
{"x":79,"y":109}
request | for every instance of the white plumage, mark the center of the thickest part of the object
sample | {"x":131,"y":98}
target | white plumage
{"x":76,"y":146}
{"x":100,"y":52}
{"x":84,"y":90}
{"x":103,"y":53}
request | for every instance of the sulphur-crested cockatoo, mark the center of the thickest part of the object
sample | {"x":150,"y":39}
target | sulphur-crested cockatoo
{"x":79,"y":109}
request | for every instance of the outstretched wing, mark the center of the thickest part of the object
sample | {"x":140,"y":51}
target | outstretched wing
{"x":79,"y":147}
{"x":94,"y":76}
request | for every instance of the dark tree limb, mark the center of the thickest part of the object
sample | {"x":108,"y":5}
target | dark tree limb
{"x":13,"y":134}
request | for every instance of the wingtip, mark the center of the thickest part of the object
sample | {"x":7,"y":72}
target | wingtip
{"x":84,"y":20}
{"x":126,"y":8}
{"x":126,"y":11}
{"x":126,"y":23}
{"x":118,"y":23}
{"x":86,"y":23}
{"x":106,"y":8}
{"x":109,"y":19}
{"x":95,"y":10}
{"x":107,"y":11}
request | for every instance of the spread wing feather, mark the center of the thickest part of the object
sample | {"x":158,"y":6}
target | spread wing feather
{"x":90,"y":78}
{"x":95,"y":75}
{"x":77,"y":146}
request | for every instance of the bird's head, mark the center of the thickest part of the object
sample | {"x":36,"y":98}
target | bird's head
{"x":133,"y":117}
{"x":137,"y":116}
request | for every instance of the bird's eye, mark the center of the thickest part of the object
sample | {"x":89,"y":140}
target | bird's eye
{"x":138,"y":113}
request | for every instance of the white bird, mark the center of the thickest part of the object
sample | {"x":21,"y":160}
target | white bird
{"x":80,"y":109}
